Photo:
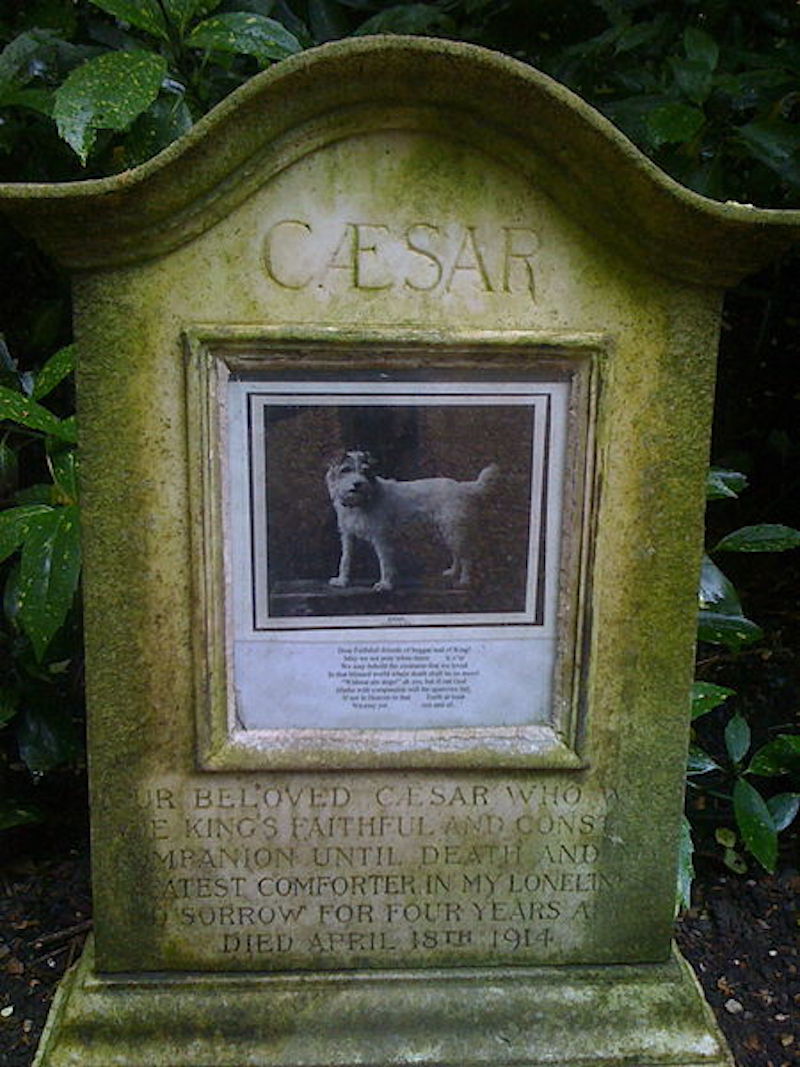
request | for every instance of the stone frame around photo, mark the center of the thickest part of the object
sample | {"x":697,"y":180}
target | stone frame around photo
{"x":220,"y":356}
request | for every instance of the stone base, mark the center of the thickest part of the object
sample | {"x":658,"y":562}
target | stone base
{"x":613,"y":1016}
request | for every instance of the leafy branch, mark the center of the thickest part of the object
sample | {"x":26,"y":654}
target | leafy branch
{"x":41,"y":558}
{"x":45,"y":528}
{"x":711,"y":95}
{"x":758,"y":819}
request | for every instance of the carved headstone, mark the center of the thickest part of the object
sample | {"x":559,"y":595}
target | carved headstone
{"x":395,"y":391}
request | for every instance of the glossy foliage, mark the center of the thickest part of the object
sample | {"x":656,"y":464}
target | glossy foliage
{"x":759,"y":812}
{"x":709,"y":90}
{"x":40,"y":556}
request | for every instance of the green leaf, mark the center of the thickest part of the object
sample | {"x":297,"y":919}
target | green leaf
{"x":674,"y":123}
{"x":685,"y":866}
{"x":720,"y":620}
{"x":732,"y":631}
{"x":9,"y":469}
{"x":182,"y":12}
{"x":167,"y":119}
{"x":700,"y":47}
{"x":641,"y":33}
{"x":630,"y":114}
{"x":767,"y":537}
{"x":407,"y":18}
{"x":39,"y":100}
{"x":11,"y":598}
{"x":716,"y":591}
{"x":17,"y":55}
{"x":246,"y":33}
{"x":779,"y":756}
{"x":106,"y":93}
{"x":69,"y":429}
{"x":15,"y":525}
{"x":33,"y":416}
{"x":63,"y":463}
{"x":723,"y":483}
{"x":54,"y":372}
{"x":706,"y":697}
{"x":327,"y":20}
{"x":755,"y":824}
{"x":699,"y":761}
{"x":737,"y":738}
{"x":14,"y":813}
{"x":775,"y":143}
{"x":725,"y":837}
{"x":734,"y":862}
{"x":46,"y":737}
{"x":143,"y":14}
{"x":692,"y":78}
{"x":784,"y":808}
{"x":49,"y":572}
{"x":282,"y":11}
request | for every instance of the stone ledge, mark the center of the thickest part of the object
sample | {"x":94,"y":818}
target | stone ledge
{"x":617,"y":1016}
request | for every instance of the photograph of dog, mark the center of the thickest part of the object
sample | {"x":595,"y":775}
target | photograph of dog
{"x":375,"y":510}
{"x":425,"y":509}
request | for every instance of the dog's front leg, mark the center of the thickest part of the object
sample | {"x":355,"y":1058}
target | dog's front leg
{"x":342,"y":579}
{"x":388,"y":576}
{"x":459,"y":570}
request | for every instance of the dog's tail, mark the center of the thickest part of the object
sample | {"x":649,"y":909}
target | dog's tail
{"x":488,"y":478}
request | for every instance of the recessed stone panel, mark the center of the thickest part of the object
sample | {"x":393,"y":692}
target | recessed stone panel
{"x":320,"y":872}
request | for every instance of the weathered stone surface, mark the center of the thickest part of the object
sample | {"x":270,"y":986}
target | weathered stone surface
{"x":540,"y":1017}
{"x":423,"y":227}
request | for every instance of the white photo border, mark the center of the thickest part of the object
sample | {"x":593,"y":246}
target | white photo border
{"x":250,"y":512}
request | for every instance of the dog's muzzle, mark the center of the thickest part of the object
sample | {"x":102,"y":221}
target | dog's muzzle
{"x":355,"y":495}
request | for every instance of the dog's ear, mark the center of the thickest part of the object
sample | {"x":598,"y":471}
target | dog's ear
{"x":332,"y":473}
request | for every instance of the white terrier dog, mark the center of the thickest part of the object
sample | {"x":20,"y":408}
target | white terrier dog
{"x":374,"y":509}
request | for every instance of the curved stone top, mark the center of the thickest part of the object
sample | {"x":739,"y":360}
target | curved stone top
{"x":495,"y":103}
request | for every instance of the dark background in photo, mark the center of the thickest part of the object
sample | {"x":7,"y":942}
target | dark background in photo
{"x":409,"y":441}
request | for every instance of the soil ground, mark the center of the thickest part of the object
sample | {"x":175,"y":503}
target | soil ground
{"x":741,"y":937}
{"x":45,"y":914}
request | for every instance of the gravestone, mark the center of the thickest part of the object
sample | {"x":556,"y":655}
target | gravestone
{"x":356,"y":801}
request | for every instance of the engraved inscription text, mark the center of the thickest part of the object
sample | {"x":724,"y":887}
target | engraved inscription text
{"x":420,"y":257}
